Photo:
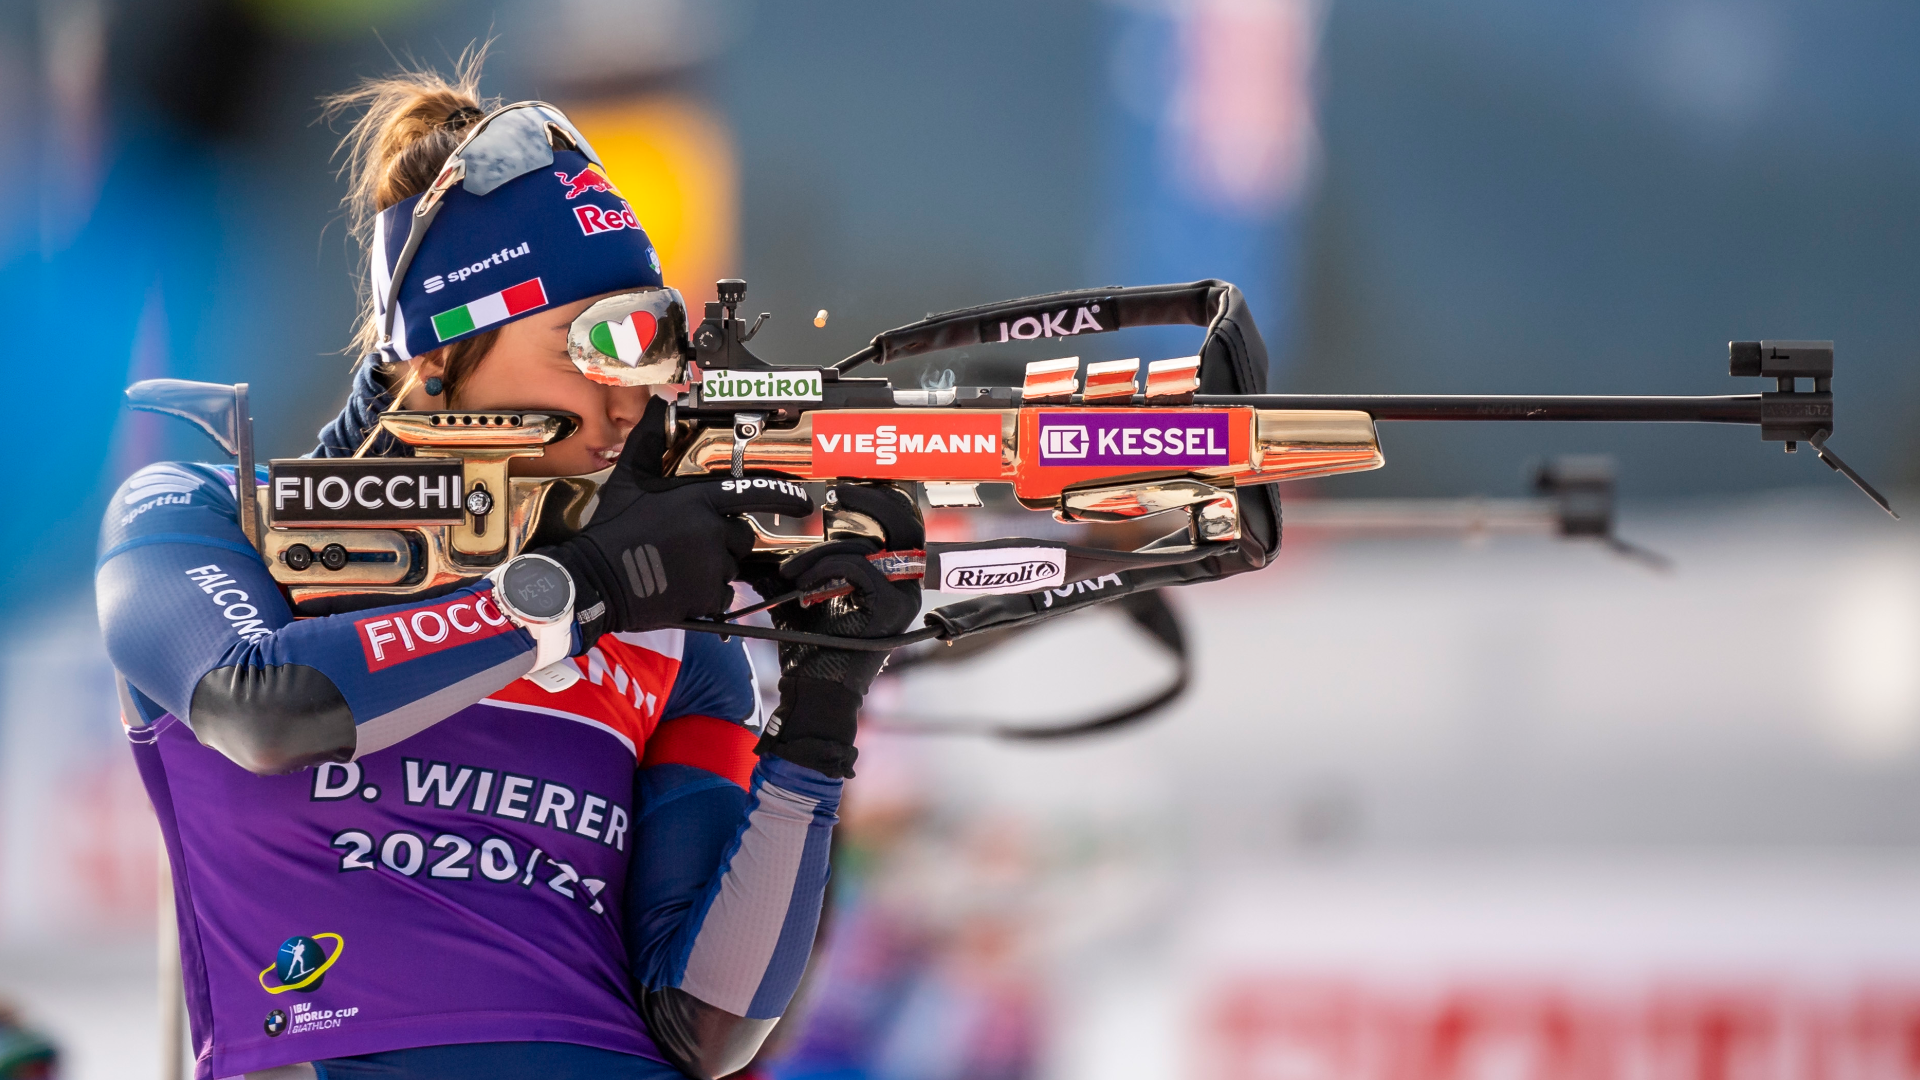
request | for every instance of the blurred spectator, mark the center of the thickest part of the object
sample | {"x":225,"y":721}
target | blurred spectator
{"x":929,"y":967}
{"x":24,"y":1053}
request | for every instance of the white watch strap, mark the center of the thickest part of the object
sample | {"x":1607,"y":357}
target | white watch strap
{"x":552,"y":641}
{"x":556,"y":676}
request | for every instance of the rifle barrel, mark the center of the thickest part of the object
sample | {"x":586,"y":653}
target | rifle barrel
{"x":1728,"y":409}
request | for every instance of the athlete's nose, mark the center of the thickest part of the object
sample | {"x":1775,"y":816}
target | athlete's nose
{"x":626,"y":405}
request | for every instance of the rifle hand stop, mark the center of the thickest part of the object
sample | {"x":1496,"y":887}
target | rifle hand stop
{"x":1789,"y":415}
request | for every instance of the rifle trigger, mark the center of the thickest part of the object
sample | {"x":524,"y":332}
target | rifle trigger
{"x":746,"y":427}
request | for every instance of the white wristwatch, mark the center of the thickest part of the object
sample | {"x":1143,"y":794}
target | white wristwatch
{"x":536,"y":594}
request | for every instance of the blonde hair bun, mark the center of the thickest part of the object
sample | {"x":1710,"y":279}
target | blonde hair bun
{"x":408,"y":123}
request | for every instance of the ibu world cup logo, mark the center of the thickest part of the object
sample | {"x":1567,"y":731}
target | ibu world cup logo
{"x":301,"y":964}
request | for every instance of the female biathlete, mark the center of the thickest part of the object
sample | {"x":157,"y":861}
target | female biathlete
{"x":392,"y":855}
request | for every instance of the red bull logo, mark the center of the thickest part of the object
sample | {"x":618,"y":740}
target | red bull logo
{"x":599,"y":219}
{"x":588,"y":179}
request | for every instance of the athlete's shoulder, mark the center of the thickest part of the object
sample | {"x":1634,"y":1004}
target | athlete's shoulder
{"x":711,"y":677}
{"x":715,"y":679}
{"x":170,"y":497}
{"x":670,"y":644}
{"x":712,"y":719}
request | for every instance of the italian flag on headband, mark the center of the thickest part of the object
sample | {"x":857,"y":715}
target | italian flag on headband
{"x":484,"y":312}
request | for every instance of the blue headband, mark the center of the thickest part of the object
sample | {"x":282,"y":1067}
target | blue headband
{"x":550,"y":237}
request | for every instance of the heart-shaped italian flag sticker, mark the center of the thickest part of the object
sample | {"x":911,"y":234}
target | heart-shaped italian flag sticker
{"x":627,"y":339}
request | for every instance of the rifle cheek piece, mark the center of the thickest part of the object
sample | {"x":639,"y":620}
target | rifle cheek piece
{"x":425,"y":535}
{"x":344,"y":534}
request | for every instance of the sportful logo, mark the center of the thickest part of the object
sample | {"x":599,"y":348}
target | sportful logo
{"x":179,"y":498}
{"x":165,"y":485}
{"x":166,"y":482}
{"x":438,"y":282}
{"x":937,"y":446}
{"x":1002,"y":570}
{"x":763,"y":483}
{"x":1133,"y":439}
{"x":1052,"y":324}
{"x":396,"y":639}
{"x":234,"y":603}
{"x":644,"y":572}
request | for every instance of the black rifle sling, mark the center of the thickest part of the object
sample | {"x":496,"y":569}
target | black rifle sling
{"x":1147,"y":610}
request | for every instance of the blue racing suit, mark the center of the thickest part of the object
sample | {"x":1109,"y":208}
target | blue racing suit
{"x":603,"y":881}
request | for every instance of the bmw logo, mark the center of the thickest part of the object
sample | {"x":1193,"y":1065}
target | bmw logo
{"x":276,"y":1023}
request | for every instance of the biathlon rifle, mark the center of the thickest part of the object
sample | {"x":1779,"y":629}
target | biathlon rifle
{"x":1197,"y":442}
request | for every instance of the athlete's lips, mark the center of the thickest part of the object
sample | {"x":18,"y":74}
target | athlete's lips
{"x":608,"y":454}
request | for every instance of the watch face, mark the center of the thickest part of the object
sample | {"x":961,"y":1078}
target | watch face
{"x":537,"y":588}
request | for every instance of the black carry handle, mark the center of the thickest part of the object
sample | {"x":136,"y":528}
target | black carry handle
{"x":1217,"y":305}
{"x":1097,"y":311}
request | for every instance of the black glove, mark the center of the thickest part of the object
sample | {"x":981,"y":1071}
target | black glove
{"x":662,"y":549}
{"x":821,"y":688}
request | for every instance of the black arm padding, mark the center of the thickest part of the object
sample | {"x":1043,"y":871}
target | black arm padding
{"x":272,"y":720}
{"x":701,"y":1041}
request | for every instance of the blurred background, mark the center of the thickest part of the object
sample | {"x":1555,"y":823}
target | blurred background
{"x":1493,"y":807}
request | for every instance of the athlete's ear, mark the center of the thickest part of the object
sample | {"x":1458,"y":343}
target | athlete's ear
{"x":432,"y":366}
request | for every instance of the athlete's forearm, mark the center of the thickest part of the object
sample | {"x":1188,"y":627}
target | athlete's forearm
{"x":723,"y":905}
{"x":194,"y":621}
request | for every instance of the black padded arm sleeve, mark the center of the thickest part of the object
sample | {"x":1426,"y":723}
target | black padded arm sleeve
{"x":272,"y":720}
{"x":701,"y":1041}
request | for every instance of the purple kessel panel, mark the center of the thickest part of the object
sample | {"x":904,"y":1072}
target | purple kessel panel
{"x":1089,"y":437}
